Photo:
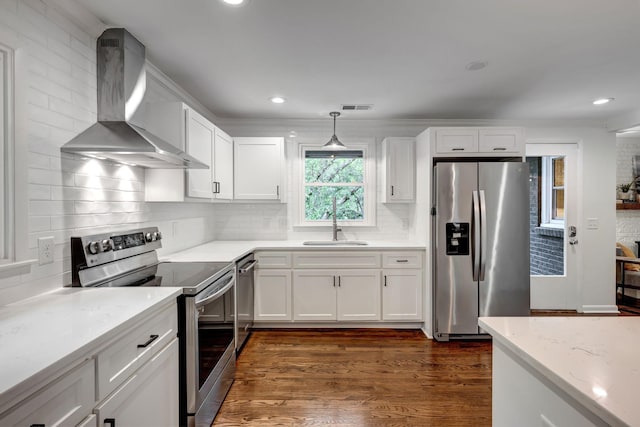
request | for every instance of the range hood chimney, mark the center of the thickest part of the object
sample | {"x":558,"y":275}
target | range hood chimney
{"x":121,"y":87}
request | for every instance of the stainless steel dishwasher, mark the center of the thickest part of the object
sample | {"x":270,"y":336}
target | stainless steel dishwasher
{"x":244,"y":299}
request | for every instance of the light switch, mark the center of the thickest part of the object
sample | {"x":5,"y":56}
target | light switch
{"x":593,"y":223}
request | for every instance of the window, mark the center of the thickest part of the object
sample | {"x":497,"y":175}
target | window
{"x":552,"y":192}
{"x":343,"y":175}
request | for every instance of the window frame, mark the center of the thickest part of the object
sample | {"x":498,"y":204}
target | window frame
{"x":547,"y":190}
{"x":368,"y":149}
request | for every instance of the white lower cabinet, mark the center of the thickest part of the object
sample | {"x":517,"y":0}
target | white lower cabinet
{"x":336,"y":295}
{"x":314,"y":295}
{"x":339,"y":286}
{"x":149,"y":397}
{"x":64,"y":402}
{"x":359,"y":295}
{"x":401,"y":294}
{"x":272,"y":295}
{"x":130,"y":380}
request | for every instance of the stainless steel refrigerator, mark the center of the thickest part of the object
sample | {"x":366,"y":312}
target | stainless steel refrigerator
{"x":480,"y":246}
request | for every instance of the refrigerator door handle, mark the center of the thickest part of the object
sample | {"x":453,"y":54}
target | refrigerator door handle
{"x":483,"y":234}
{"x":475,"y":257}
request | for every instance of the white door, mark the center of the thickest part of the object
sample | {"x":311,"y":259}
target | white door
{"x":272,"y":295}
{"x":553,"y":186}
{"x":258,"y":168}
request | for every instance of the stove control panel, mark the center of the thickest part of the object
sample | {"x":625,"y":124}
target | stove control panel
{"x":98,"y":249}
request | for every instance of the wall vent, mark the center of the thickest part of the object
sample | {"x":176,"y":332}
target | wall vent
{"x":357,"y":107}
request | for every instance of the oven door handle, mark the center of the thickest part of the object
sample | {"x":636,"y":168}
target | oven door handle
{"x":247,"y":267}
{"x":222,"y":291}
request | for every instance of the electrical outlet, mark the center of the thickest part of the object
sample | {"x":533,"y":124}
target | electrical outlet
{"x":45,"y":250}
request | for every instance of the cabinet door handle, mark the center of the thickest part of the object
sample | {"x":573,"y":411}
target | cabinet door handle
{"x":339,"y":281}
{"x":278,"y":190}
{"x":392,"y":190}
{"x":457,"y":149}
{"x":334,"y":281}
{"x":402,"y":260}
{"x":152,"y":338}
{"x":110,"y":422}
{"x":38,"y":425}
{"x":385,"y":280}
{"x":499,"y":149}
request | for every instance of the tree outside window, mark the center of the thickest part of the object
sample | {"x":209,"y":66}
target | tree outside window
{"x":338,"y":174}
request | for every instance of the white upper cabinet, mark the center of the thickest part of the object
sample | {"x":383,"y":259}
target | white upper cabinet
{"x":188,"y":130}
{"x":478,"y":142}
{"x":258,"y":168}
{"x":223,"y":166}
{"x":456,"y":140}
{"x":399,"y":163}
{"x":200,"y":139}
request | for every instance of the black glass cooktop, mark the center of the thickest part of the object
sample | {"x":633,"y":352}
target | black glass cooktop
{"x":191,"y":276}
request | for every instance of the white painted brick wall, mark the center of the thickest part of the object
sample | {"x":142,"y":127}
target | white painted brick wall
{"x":627,"y":221}
{"x":69,"y":196}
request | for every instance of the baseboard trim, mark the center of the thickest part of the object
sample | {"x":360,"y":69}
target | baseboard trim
{"x":600,"y":309}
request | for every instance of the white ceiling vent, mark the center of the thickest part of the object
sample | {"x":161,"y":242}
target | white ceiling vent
{"x":356,"y":107}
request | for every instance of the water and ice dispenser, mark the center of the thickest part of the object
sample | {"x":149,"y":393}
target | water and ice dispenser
{"x":457,"y":238}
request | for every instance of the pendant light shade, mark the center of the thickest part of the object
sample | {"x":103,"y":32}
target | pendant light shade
{"x":334,"y":143}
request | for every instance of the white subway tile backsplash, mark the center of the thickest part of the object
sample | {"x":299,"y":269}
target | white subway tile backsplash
{"x":38,"y":161}
{"x":46,"y":85}
{"x":68,"y":195}
{"x":39,"y":223}
{"x":39,"y":192}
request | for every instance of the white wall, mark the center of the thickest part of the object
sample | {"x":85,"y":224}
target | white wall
{"x":627,"y":221}
{"x":68,"y":196}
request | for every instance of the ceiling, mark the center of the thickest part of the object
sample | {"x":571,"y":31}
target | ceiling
{"x":546,"y":59}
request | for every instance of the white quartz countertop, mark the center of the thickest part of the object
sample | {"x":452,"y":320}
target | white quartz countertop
{"x":596,"y":360}
{"x":229,"y":251}
{"x":41,"y":335}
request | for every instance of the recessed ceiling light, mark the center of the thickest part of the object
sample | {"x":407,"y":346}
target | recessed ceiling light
{"x":234,"y":2}
{"x":602,"y":101}
{"x":476,"y":65}
{"x":277,"y":100}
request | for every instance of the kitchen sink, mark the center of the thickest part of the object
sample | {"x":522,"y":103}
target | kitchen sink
{"x":335,"y":243}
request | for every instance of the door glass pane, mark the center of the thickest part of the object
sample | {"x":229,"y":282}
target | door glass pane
{"x":546,"y":216}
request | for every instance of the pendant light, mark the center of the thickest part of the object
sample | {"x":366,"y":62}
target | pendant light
{"x":334,"y":143}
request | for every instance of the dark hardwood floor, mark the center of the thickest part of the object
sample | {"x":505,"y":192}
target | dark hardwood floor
{"x":364,"y":377}
{"x":373,"y":377}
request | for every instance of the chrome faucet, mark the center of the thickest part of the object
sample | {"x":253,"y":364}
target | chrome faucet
{"x":335,"y":222}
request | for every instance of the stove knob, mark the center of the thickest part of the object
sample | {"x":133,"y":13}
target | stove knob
{"x":106,"y":245}
{"x":94,"y":248}
{"x":157,"y":235}
{"x":148,"y":237}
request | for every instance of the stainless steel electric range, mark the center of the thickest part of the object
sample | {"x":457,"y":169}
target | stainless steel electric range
{"x":206,"y":308}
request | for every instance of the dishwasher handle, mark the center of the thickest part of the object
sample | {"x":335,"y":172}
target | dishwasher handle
{"x":247,"y":267}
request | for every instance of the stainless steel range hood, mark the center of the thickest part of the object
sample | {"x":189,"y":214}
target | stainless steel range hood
{"x":121,"y":88}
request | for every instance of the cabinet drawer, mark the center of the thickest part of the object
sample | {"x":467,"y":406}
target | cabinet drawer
{"x":273,"y":259}
{"x":118,"y":361}
{"x":456,"y":140}
{"x":136,"y":402}
{"x":335,"y":259}
{"x":500,"y":140}
{"x":65,"y":402}
{"x":402,"y":259}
